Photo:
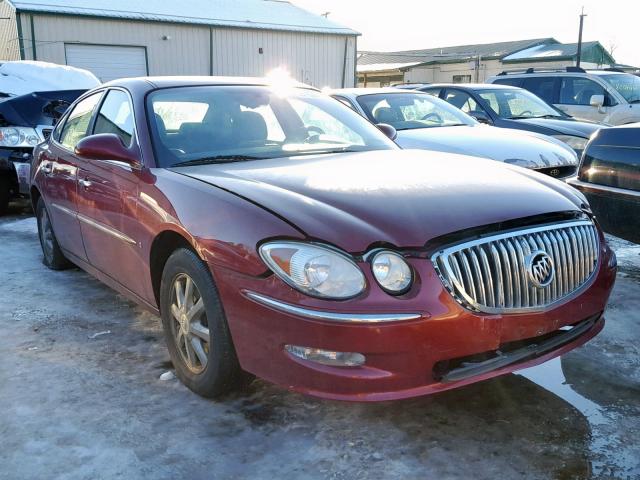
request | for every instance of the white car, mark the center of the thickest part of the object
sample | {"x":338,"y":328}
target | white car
{"x":428,"y":123}
{"x":604,"y":96}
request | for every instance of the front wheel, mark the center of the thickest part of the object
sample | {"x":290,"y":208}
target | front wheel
{"x":51,"y":252}
{"x":195,"y":327}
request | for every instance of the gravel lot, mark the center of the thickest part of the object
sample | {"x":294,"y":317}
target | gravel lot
{"x":81,"y":398}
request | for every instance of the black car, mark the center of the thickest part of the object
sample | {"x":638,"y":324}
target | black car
{"x":513,"y":107}
{"x":609,"y":176}
{"x":25,"y":121}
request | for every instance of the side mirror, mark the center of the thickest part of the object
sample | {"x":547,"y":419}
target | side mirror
{"x":480,"y":116}
{"x":597,"y":101}
{"x":388,"y":130}
{"x":106,"y":146}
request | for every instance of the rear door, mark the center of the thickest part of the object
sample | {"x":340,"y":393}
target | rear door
{"x":108,"y":199}
{"x":60,"y":167}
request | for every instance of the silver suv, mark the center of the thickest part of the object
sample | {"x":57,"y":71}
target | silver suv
{"x":604,"y":96}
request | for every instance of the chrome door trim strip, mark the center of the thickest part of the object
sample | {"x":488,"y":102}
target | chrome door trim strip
{"x":64,"y":209}
{"x":330,"y":316}
{"x":89,"y":221}
{"x":108,"y":230}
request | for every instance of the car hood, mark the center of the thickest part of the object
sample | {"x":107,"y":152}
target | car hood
{"x":403,"y":198}
{"x":524,"y":149}
{"x":35,"y":109}
{"x":563,"y":127}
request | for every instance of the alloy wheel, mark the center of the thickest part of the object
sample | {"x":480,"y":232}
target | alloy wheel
{"x":46,"y":235}
{"x":189,"y":326}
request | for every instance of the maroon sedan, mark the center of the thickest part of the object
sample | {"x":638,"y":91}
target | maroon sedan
{"x":280,"y":234}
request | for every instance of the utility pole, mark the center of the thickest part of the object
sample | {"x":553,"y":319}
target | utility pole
{"x":582,"y":15}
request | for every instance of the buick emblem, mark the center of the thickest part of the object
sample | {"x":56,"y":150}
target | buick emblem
{"x":540,"y":269}
{"x":554,"y":172}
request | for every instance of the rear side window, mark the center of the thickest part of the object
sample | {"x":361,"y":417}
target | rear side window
{"x":77,"y":125}
{"x":116,"y":116}
{"x":578,"y":91}
{"x":543,"y":87}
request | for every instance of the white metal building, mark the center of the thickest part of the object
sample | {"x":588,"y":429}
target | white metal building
{"x":124,"y":38}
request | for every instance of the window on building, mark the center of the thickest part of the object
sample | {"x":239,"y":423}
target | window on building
{"x":462,"y":79}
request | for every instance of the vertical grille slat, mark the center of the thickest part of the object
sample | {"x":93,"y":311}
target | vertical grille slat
{"x":491,"y":274}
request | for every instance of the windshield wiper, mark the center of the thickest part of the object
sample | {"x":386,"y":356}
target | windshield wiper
{"x":216,"y":159}
{"x":524,"y":117}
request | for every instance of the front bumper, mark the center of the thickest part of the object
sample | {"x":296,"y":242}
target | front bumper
{"x":17,"y":163}
{"x":418,"y":354}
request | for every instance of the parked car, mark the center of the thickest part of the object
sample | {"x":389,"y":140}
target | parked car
{"x":425,"y":122}
{"x":33,"y":95}
{"x":279,"y":233}
{"x":512,"y":107}
{"x":609,"y":176}
{"x":603,"y":96}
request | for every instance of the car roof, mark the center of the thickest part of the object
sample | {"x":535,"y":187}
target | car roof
{"x":184,"y":81}
{"x":473,"y":86}
{"x":358,"y":92}
{"x":560,"y":72}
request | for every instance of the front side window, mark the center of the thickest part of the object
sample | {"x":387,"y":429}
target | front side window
{"x":406,"y":111}
{"x":77,"y":124}
{"x":461,"y":100}
{"x":116,"y":116}
{"x":229,"y":123}
{"x":578,"y":91}
{"x":517,"y":103}
{"x":626,"y":85}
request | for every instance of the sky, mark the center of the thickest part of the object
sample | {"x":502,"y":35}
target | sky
{"x":414,"y":24}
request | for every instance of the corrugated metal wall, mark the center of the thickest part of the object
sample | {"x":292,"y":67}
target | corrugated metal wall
{"x":9,"y":44}
{"x":317,"y":59}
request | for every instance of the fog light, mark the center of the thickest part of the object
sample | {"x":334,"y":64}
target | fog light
{"x":326,"y":357}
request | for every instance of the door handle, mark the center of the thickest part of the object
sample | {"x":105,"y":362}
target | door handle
{"x":84,"y":182}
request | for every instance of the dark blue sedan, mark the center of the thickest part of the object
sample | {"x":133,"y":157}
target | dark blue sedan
{"x":512,"y":107}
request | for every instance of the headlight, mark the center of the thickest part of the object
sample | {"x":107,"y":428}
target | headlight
{"x":391,"y":272}
{"x":18,"y":137}
{"x":314,"y":269}
{"x":577,"y":143}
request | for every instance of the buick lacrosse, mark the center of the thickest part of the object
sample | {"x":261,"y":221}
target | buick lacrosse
{"x":279,"y":234}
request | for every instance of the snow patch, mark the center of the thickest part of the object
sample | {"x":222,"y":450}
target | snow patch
{"x":23,"y":77}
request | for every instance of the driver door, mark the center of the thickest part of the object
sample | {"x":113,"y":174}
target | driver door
{"x":108,"y":199}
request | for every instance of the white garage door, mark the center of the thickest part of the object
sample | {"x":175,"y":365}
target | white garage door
{"x":108,"y":62}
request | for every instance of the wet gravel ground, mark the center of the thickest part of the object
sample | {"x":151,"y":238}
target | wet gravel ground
{"x":81,"y":398}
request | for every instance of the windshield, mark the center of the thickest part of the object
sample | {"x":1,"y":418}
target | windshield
{"x":407,"y":111}
{"x":627,"y":85}
{"x":208,"y":124}
{"x":517,"y":103}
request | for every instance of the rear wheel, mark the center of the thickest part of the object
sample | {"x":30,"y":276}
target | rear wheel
{"x":195,"y":327}
{"x":52,"y":254}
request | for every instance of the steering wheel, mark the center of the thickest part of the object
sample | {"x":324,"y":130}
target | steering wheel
{"x":311,"y":138}
{"x":524,"y":114}
{"x":436,"y":118}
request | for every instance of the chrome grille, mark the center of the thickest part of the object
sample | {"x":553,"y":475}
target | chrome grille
{"x":490,"y":275}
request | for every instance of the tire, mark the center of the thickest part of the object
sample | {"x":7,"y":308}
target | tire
{"x":52,"y":255}
{"x":4,"y":195}
{"x":193,"y":316}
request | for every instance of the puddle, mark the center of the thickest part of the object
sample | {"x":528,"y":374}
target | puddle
{"x":608,"y":455}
